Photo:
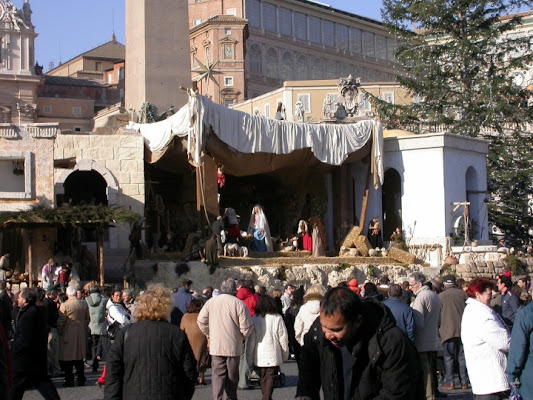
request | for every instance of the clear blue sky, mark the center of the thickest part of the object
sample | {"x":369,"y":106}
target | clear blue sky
{"x":68,"y":28}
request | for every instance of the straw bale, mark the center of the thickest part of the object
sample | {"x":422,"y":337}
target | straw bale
{"x":349,"y":240}
{"x":401,"y":256}
{"x":363,"y":245}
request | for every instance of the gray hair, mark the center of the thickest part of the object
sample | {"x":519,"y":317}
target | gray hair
{"x":419,"y":277}
{"x":71,"y":291}
{"x":128,"y":292}
{"x":228,"y":286}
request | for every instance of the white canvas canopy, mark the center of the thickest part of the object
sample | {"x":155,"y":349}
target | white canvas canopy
{"x":249,"y":144}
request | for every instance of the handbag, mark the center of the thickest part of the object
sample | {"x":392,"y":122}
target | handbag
{"x":205,"y":360}
{"x":111,"y":330}
{"x":514,"y":391}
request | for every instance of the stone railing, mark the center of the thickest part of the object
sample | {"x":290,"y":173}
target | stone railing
{"x":8,"y":131}
{"x":45,"y":130}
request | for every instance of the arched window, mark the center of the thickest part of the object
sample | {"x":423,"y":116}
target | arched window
{"x":271,"y":63}
{"x":256,"y":59}
{"x":317,"y":69}
{"x":303,"y":68}
{"x":287,"y":67}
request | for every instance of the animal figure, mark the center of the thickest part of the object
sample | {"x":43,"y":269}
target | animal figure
{"x":234,"y":250}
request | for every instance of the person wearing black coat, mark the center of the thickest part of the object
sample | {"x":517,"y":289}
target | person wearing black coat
{"x":29,"y":349}
{"x":361,"y":333}
{"x":151,"y":359}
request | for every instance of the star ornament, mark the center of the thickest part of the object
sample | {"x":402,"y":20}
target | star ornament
{"x":206,"y":72}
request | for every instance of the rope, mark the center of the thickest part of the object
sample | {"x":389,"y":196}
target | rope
{"x":421,"y":251}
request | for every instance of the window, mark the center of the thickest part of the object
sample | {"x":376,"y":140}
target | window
{"x":76,"y":111}
{"x":271,"y":63}
{"x":98,"y":66}
{"x":329,"y":33}
{"x":5,"y":114}
{"x":287,"y":66}
{"x":391,"y":48}
{"x":355,"y":40}
{"x":15,"y":170}
{"x":231,"y":11}
{"x":227,"y":31}
{"x":316,"y":71}
{"x":306,"y":101}
{"x":194,"y":60}
{"x":315,"y":33}
{"x":110,"y":78}
{"x":196,"y":21}
{"x":121,"y":73}
{"x":47,"y":109}
{"x":364,"y":103}
{"x":228,"y":51}
{"x":267,"y":110}
{"x":228,"y":81}
{"x":342,"y":38}
{"x":253,"y":13}
{"x":207,"y":53}
{"x":285,"y":21}
{"x":269,"y":17}
{"x":303,"y":68}
{"x":228,"y":102}
{"x":368,"y":44}
{"x":300,"y":26}
{"x":381,"y":47}
{"x":256,"y":61}
{"x":388,"y":97}
{"x":77,"y":129}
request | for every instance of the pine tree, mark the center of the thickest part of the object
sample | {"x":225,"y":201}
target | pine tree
{"x":460,"y":62}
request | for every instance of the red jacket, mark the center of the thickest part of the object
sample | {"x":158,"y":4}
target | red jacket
{"x":249,"y":298}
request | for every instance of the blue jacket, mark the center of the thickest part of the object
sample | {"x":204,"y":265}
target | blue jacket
{"x":510,"y":305}
{"x":520,"y":359}
{"x":182,"y":298}
{"x":403,"y":314}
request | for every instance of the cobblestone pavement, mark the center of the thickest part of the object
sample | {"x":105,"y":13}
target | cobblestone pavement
{"x":92,"y":392}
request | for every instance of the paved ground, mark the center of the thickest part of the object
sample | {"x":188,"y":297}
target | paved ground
{"x":92,"y":392}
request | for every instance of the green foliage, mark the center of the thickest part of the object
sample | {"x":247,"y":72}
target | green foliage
{"x":460,"y":61}
{"x":148,"y":113}
{"x":371,"y":271}
{"x":72,"y":215}
{"x":343,"y":266}
{"x":515,"y":264}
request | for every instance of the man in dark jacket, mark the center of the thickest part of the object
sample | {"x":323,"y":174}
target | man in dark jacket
{"x":402,"y":313}
{"x":29,"y":349}
{"x":452,"y":306}
{"x":510,"y":301}
{"x":354,"y":350}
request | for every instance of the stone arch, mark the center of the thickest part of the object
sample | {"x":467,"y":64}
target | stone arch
{"x":317,"y":69}
{"x":255,"y":58}
{"x":303,"y":67}
{"x":111,"y":189}
{"x":287,"y":66}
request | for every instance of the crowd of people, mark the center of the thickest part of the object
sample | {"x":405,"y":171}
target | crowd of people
{"x":390,"y":340}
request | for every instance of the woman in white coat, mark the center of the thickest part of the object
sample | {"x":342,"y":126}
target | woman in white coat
{"x":268,"y":344}
{"x":309,"y":311}
{"x":486,"y":343}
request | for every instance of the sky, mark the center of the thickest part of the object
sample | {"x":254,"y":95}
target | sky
{"x":68,"y":28}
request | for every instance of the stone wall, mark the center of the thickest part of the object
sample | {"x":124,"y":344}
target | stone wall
{"x":490,"y":269}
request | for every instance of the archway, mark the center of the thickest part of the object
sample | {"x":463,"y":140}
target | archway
{"x":475,"y":197}
{"x":391,"y":202}
{"x":85,"y":187}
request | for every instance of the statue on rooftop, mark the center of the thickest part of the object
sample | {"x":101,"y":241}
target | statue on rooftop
{"x":13,"y":15}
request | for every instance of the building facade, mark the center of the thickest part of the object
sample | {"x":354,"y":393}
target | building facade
{"x":259,"y":44}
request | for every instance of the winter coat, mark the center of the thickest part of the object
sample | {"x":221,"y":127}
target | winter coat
{"x":387,"y":363}
{"x":305,"y":318}
{"x":452,"y":306}
{"x":182,"y":298}
{"x":520,"y":360}
{"x":226,"y":321}
{"x":403,"y":314}
{"x":486,"y":343}
{"x":97,"y":312}
{"x":29,"y":347}
{"x":510,"y":305}
{"x":196,"y":338}
{"x":426,"y":311}
{"x":150,"y":360}
{"x":268,"y":345}
{"x":72,"y":327}
{"x":248,"y":298}
{"x":117,"y":312}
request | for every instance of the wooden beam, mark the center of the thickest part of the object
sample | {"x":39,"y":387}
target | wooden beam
{"x":100,"y":255}
{"x":366,"y":195}
{"x":28,"y":234}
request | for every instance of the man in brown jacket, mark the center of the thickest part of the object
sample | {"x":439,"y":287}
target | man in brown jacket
{"x":72,"y":328}
{"x":226,"y":321}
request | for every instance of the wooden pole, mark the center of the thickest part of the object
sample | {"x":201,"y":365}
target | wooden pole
{"x":29,"y":236}
{"x":100,"y":255}
{"x":364,"y":205}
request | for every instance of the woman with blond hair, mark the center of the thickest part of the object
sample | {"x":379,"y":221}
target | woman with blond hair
{"x":151,"y":358}
{"x":309,"y":311}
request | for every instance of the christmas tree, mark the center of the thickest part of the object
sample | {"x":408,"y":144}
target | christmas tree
{"x":464,"y":63}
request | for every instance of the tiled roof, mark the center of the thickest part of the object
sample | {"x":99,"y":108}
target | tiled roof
{"x":69,"y":81}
